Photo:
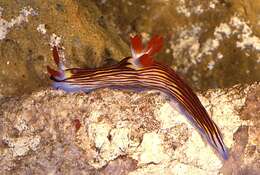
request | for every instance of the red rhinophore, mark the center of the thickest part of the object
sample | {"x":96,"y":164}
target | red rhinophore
{"x":55,"y":55}
{"x":53,"y":72}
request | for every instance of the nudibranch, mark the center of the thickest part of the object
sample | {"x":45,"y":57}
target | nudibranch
{"x":141,"y":71}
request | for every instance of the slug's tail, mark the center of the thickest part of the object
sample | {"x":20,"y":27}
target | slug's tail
{"x":207,"y":129}
{"x":214,"y":137}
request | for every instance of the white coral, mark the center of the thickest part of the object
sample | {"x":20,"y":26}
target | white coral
{"x":5,"y":26}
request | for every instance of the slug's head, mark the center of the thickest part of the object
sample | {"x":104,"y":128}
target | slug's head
{"x":61,"y":73}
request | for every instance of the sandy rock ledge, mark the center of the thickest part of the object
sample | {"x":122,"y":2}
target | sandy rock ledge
{"x":121,"y":132}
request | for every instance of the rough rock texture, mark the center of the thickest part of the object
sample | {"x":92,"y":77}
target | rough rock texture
{"x":121,"y":132}
{"x":26,"y":28}
{"x":205,"y":39}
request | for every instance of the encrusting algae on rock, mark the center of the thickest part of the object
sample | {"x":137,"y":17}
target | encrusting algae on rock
{"x":25,"y":32}
{"x":120,"y":126}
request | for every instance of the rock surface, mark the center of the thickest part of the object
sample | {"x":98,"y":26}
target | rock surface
{"x":204,"y":39}
{"x":122,"y":132}
{"x":26,"y":32}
